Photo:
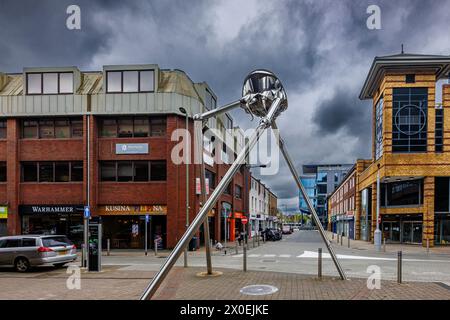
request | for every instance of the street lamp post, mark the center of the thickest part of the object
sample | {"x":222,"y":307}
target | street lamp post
{"x":187,"y":156}
{"x":377,"y":234}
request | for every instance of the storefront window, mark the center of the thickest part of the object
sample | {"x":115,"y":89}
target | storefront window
{"x":441,"y":194}
{"x":404,"y":193}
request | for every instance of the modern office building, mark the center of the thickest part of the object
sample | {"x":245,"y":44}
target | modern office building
{"x":410,"y":150}
{"x":69,"y":139}
{"x":320,"y":180}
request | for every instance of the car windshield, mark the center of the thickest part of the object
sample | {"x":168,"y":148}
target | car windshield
{"x":56,"y":241}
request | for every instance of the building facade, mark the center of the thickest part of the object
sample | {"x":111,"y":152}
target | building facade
{"x":259,"y":196}
{"x":410,"y":151}
{"x":69,"y":139}
{"x":320,"y":180}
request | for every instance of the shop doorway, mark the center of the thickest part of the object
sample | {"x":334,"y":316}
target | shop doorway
{"x":442,"y":230}
{"x":402,"y":231}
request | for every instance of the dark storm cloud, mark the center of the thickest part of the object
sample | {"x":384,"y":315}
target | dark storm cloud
{"x":321,"y":50}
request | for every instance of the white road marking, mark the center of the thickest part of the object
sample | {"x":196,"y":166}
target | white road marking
{"x":254,"y":255}
{"x":285,"y":255}
{"x":238,"y":255}
{"x":313,"y":254}
{"x":269,"y":255}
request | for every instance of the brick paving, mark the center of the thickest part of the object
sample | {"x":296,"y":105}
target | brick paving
{"x":183,"y":284}
{"x":116,"y":282}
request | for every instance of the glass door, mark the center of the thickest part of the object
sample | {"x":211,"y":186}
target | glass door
{"x":407,"y":232}
{"x":417,"y":232}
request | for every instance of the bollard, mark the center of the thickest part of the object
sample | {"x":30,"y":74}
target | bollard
{"x":337,"y":238}
{"x":264,"y":238}
{"x":348,"y":242}
{"x":237,"y":247}
{"x":332,"y":236}
{"x":384,"y":244}
{"x":399,"y":267}
{"x":156,"y":247}
{"x":258,"y":238}
{"x":428,"y":246}
{"x":108,"y":247}
{"x":253,"y":240}
{"x":342,"y":239}
{"x":319,"y":264}
{"x":245,"y":258}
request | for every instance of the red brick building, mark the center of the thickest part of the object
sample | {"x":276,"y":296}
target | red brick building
{"x":104,"y":139}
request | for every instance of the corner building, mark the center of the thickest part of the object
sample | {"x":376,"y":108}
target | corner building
{"x":70,"y":139}
{"x":410,"y":151}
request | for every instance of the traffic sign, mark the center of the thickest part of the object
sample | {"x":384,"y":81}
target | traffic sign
{"x":244,"y":220}
{"x":87,"y":212}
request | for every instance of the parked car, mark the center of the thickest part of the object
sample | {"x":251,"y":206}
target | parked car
{"x":287,"y":230}
{"x":26,"y":251}
{"x":272,"y":234}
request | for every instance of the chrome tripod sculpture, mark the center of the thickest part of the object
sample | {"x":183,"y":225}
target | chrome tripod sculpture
{"x":263,"y":96}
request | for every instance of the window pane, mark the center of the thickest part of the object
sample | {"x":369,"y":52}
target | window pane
{"x":77,"y":171}
{"x":50,"y":83}
{"x":158,"y":171}
{"x":125,"y":128}
{"x":28,"y":242}
{"x":46,"y":129}
{"x":108,"y":171}
{"x":130,"y":81}
{"x":29,"y":172}
{"x":108,"y":128}
{"x":141,"y":127}
{"x":30,"y":129}
{"x":62,"y":129}
{"x":66,"y":82}
{"x":34,"y":83}
{"x":114,"y":80}
{"x":2,"y":129}
{"x":124,"y":172}
{"x":141,"y":171}
{"x":77,"y":128}
{"x":2,"y":171}
{"x":62,"y":172}
{"x":46,"y":172}
{"x":158,"y":127}
{"x":147,"y":81}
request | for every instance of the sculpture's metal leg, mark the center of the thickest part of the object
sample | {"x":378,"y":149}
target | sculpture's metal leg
{"x":203,"y":214}
{"x":198,"y":127}
{"x":308,"y":202}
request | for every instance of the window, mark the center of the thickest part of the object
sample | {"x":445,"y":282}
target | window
{"x":322,"y":177}
{"x":128,"y":171}
{"x":238,"y":192}
{"x":211,"y":176}
{"x":441,"y":197}
{"x":62,"y":172}
{"x":228,"y":122}
{"x":137,"y":127}
{"x":59,"y":128}
{"x":2,"y":171}
{"x":410,"y":78}
{"x":158,"y":171}
{"x":130,"y":81}
{"x":438,"y":133}
{"x":409,"y":119}
{"x":125,"y":128}
{"x":28,"y":242}
{"x":59,"y":171}
{"x":379,"y":129}
{"x":2,"y":129}
{"x":322,"y":188}
{"x":210,"y":101}
{"x":402,"y":193}
{"x":50,"y":83}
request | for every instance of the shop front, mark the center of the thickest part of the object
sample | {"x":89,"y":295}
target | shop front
{"x":366,"y":214}
{"x":236,"y":226}
{"x":442,"y":228}
{"x":124,"y":225}
{"x":3,"y":220}
{"x":53,"y":219}
{"x":402,"y":228}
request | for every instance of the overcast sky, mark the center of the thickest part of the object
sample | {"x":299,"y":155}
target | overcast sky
{"x":321,"y":50}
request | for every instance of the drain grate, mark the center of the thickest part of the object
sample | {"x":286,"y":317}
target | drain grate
{"x":258,"y":290}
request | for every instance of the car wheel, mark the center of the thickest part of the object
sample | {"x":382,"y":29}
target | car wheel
{"x":59,"y":265}
{"x":22,"y":264}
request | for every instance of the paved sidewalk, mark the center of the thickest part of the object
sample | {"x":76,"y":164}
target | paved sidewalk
{"x":184,"y":284}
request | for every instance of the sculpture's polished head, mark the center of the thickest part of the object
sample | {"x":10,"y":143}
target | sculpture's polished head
{"x":261,"y":88}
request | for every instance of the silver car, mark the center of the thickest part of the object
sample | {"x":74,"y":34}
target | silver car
{"x":26,"y":251}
